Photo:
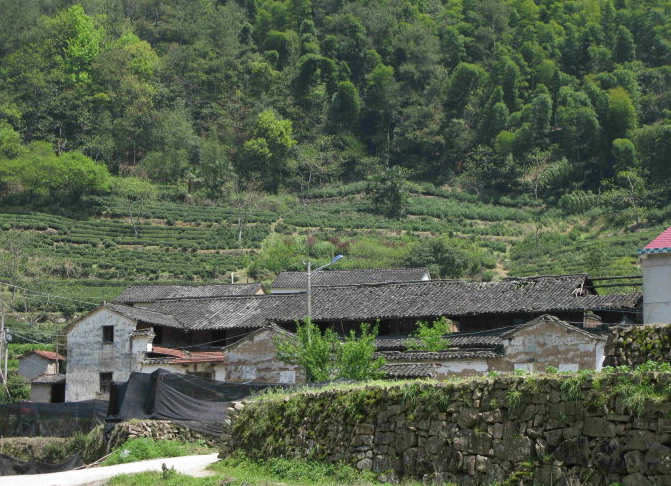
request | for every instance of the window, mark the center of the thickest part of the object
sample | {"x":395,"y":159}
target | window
{"x":108,"y":334}
{"x":106,"y":382}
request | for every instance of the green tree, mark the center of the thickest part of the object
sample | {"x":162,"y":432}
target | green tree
{"x":356,"y":355}
{"x":444,"y":257}
{"x":345,"y":107}
{"x":136,"y":193}
{"x":387,"y":191}
{"x":311,"y":349}
{"x":621,"y":114}
{"x":267,"y":152}
{"x":431,"y":336}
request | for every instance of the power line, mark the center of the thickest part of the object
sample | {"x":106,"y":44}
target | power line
{"x":37,"y":292}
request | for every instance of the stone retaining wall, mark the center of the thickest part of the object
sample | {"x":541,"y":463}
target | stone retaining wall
{"x":634,"y":345}
{"x":523,"y":431}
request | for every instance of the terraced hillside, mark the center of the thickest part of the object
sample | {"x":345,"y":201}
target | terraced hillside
{"x":92,"y":258}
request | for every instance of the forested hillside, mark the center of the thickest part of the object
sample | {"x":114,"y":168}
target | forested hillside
{"x":549,"y":97}
{"x":182,"y":141}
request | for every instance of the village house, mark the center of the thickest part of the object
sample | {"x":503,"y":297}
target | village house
{"x":229,"y":334}
{"x":42,"y":370}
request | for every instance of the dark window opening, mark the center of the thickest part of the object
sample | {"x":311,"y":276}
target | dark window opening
{"x":158,"y":335}
{"x":108,"y":334}
{"x":105,"y":382}
{"x":219,"y":337}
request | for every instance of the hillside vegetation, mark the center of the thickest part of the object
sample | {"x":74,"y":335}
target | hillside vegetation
{"x":180,"y":141}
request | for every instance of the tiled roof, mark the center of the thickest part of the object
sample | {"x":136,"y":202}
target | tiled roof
{"x":234,"y":312}
{"x":415,"y":300}
{"x":144,"y":315}
{"x":298,"y":280}
{"x":409,"y":370}
{"x":179,"y":356}
{"x":153,"y":293}
{"x":457,"y":340}
{"x":548,"y":318}
{"x":447,"y":355}
{"x":45,"y":354}
{"x":661,"y":244}
{"x":52,"y":379}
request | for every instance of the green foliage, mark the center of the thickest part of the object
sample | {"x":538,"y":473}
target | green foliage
{"x":388,"y":191}
{"x":323,"y":356}
{"x":355,"y":355}
{"x":431,"y":336}
{"x":312,"y":349}
{"x":143,"y":448}
{"x":66,"y":177}
{"x":449,"y":257}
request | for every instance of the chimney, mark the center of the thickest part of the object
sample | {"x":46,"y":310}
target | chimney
{"x":655,"y":259}
{"x":591,"y":320}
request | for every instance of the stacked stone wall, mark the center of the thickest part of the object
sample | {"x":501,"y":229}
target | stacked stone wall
{"x":634,"y":345}
{"x":583,"y":429}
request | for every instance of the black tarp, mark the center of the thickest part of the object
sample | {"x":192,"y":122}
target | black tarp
{"x":10,"y":466}
{"x":33,"y":419}
{"x":189,"y":400}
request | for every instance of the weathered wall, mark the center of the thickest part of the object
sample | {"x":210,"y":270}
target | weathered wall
{"x":40,"y":393}
{"x":88,"y":356}
{"x":549,"y":344}
{"x":540,"y":431}
{"x":217,"y":370}
{"x":634,"y":345}
{"x":35,"y":365}
{"x":656,"y":288}
{"x":255,"y":359}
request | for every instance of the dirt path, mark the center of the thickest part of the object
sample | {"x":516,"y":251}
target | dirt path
{"x":192,"y":465}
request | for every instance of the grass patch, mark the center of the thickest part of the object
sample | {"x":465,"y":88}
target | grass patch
{"x":146,"y":448}
{"x":239,"y":470}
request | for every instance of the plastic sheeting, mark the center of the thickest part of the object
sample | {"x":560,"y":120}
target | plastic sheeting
{"x":10,"y":466}
{"x":189,"y":400}
{"x":34,"y":419}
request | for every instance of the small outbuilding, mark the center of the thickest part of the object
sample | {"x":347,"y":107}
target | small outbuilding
{"x":39,"y":362}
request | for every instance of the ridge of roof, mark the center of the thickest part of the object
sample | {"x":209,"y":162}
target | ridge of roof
{"x":660,"y":244}
{"x":45,"y":354}
{"x":152,"y":293}
{"x":330,"y":277}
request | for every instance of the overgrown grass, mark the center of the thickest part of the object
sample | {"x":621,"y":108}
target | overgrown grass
{"x":144,"y":448}
{"x":239,"y":470}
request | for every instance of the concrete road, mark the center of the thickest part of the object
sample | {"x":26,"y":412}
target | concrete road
{"x":192,"y":465}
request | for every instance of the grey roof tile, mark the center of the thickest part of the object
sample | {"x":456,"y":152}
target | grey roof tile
{"x":416,"y":300}
{"x":49,"y":379}
{"x":447,"y":355}
{"x":144,"y":315}
{"x":409,"y":370}
{"x":152,"y":293}
{"x":298,"y":280}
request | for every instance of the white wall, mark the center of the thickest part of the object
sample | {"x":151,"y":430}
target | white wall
{"x":656,"y":288}
{"x":40,"y":393}
{"x":35,"y":365}
{"x":88,"y":356}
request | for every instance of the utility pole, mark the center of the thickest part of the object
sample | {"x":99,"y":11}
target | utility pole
{"x":309,"y":290}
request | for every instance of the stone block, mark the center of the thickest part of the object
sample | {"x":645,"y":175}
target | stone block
{"x":636,"y":479}
{"x":598,"y":427}
{"x":573,"y":451}
{"x":364,"y":429}
{"x":497,"y":431}
{"x":514,"y":450}
{"x":657,"y":459}
{"x":553,"y":437}
{"x":664,"y":480}
{"x":413,"y":462}
{"x":434,"y":445}
{"x":467,"y":417}
{"x":492,"y":416}
{"x":472,"y":442}
{"x":449,"y":460}
{"x":405,"y":439}
{"x":638,"y":440}
{"x":633,"y":461}
{"x":664,"y":425}
{"x":482,"y":463}
{"x":364,"y":464}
